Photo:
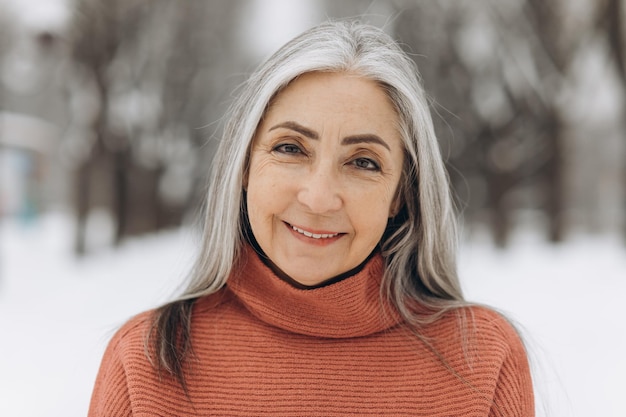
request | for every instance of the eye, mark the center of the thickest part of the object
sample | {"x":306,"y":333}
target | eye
{"x":288,"y":148}
{"x":366,"y":164}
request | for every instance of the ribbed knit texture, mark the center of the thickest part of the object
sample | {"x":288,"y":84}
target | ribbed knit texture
{"x":265,"y":348}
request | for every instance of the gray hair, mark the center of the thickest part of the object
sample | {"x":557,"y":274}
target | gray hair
{"x":419,"y":246}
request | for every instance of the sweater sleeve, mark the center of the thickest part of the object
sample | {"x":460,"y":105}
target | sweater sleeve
{"x":514,"y":395}
{"x":110,"y":395}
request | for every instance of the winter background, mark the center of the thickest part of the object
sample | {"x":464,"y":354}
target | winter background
{"x":58,"y":311}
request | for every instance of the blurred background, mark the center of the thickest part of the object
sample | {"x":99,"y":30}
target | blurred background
{"x":110,"y":111}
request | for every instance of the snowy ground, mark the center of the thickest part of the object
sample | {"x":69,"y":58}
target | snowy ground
{"x":57,"y":314}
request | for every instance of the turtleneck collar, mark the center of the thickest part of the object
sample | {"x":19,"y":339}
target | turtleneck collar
{"x":351,"y":307}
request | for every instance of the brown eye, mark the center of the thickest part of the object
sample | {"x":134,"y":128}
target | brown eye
{"x":288,"y":148}
{"x":366,"y":164}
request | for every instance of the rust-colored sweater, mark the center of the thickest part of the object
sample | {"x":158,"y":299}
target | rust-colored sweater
{"x":265,"y":348}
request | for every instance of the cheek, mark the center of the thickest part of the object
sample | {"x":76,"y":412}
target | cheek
{"x":370,"y":211}
{"x":264,"y":196}
{"x":257,"y":200}
{"x":255,"y":183}
{"x":254,"y":198}
{"x":258,"y":212}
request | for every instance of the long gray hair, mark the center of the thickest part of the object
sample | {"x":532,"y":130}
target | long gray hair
{"x":419,"y":246}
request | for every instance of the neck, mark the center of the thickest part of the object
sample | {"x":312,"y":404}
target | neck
{"x":351,"y":307}
{"x":296,"y":284}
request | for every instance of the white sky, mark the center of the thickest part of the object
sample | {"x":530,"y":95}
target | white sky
{"x":40,"y":13}
{"x":268,"y":24}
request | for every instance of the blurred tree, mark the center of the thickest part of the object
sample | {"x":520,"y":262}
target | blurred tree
{"x":455,"y":47}
{"x":7,"y":33}
{"x":98,"y":32}
{"x":555,"y":49}
{"x":158,"y":71}
{"x":199,"y":74}
{"x":496,"y":71}
{"x":612,"y":23}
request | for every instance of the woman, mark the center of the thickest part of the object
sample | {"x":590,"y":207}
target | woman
{"x":326,"y":283}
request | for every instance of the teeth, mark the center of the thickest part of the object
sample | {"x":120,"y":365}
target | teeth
{"x":313,"y":235}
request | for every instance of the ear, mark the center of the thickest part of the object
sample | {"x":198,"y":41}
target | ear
{"x":395,"y":208}
{"x":397,"y":203}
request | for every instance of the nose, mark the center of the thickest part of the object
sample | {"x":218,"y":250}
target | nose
{"x":319,"y":191}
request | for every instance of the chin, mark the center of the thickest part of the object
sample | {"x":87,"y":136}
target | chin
{"x":308,"y":279}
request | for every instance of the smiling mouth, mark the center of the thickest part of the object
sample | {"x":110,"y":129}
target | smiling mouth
{"x":313,"y":235}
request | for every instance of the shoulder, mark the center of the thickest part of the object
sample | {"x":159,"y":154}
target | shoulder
{"x":477,"y":333}
{"x":111,"y":394}
{"x":131,"y":335}
{"x":494,"y":343}
{"x":475,"y":320}
{"x":485,"y":349}
{"x":124,"y":353}
{"x":488,"y":326}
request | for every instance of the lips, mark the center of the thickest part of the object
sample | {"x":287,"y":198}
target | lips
{"x":313,"y":234}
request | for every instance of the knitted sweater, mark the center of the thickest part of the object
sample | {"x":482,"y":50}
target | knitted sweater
{"x":265,"y":348}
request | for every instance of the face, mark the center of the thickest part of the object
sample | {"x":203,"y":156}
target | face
{"x":325,"y":165}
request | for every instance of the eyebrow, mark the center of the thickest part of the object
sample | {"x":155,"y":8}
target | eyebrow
{"x":348,"y":140}
{"x":366,"y":138}
{"x":298,"y":128}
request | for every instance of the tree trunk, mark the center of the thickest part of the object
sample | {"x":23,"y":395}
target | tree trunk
{"x":555,"y":177}
{"x":83,"y":177}
{"x":120,"y":193}
{"x":500,"y":218}
{"x":616,"y":35}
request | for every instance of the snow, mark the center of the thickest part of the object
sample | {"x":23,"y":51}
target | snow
{"x":568,"y":302}
{"x":57,"y":313}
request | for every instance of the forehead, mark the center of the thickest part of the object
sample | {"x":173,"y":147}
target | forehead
{"x":346,"y":98}
{"x":332,"y":85}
